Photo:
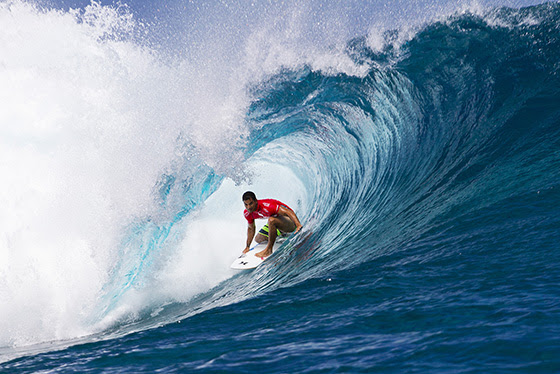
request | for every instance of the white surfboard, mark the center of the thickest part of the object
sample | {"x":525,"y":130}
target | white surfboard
{"x":249,"y":260}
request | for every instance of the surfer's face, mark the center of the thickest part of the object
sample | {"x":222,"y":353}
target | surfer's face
{"x":250,"y":205}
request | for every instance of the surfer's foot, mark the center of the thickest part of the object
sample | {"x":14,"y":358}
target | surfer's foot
{"x":264,"y":253}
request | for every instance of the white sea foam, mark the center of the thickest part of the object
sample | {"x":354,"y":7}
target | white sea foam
{"x":89,"y":122}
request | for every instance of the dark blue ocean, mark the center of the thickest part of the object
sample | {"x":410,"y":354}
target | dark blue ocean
{"x":423,"y":161}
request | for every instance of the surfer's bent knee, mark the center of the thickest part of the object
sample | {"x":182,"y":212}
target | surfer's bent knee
{"x":284,"y":224}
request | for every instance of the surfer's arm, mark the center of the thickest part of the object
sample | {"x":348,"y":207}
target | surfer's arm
{"x":291,"y":215}
{"x":250,"y":235}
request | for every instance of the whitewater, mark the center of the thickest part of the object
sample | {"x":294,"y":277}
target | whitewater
{"x":419,"y":144}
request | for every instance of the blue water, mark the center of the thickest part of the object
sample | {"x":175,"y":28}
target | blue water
{"x":430,"y":194}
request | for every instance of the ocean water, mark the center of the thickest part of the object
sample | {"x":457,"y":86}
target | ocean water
{"x":422,"y":156}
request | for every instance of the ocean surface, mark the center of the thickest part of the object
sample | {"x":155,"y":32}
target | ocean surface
{"x":422,"y":157}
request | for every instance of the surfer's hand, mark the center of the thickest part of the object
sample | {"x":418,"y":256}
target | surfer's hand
{"x":298,"y":229}
{"x":246,"y":250}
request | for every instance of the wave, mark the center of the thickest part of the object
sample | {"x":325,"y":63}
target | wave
{"x":124,"y":170}
{"x":461,"y":118}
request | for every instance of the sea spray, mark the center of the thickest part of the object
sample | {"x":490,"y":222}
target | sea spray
{"x":91,"y":122}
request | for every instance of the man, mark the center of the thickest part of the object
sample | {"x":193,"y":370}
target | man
{"x":281,"y":219}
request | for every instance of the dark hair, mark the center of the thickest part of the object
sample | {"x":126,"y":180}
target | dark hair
{"x":249,"y":195}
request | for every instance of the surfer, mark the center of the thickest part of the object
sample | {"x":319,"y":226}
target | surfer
{"x":281,"y":219}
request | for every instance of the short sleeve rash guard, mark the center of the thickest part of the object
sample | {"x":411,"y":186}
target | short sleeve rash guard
{"x":266,"y":208}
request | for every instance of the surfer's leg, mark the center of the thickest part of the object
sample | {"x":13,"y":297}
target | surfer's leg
{"x":262,"y":235}
{"x":260,"y":238}
{"x":283,"y":224}
{"x":271,"y":239}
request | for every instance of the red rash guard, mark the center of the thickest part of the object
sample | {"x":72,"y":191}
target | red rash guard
{"x":266,"y":208}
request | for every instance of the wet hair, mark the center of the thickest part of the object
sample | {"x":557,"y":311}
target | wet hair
{"x":249,"y":195}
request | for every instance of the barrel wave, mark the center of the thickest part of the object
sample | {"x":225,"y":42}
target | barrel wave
{"x":425,"y":169}
{"x":461,"y":122}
